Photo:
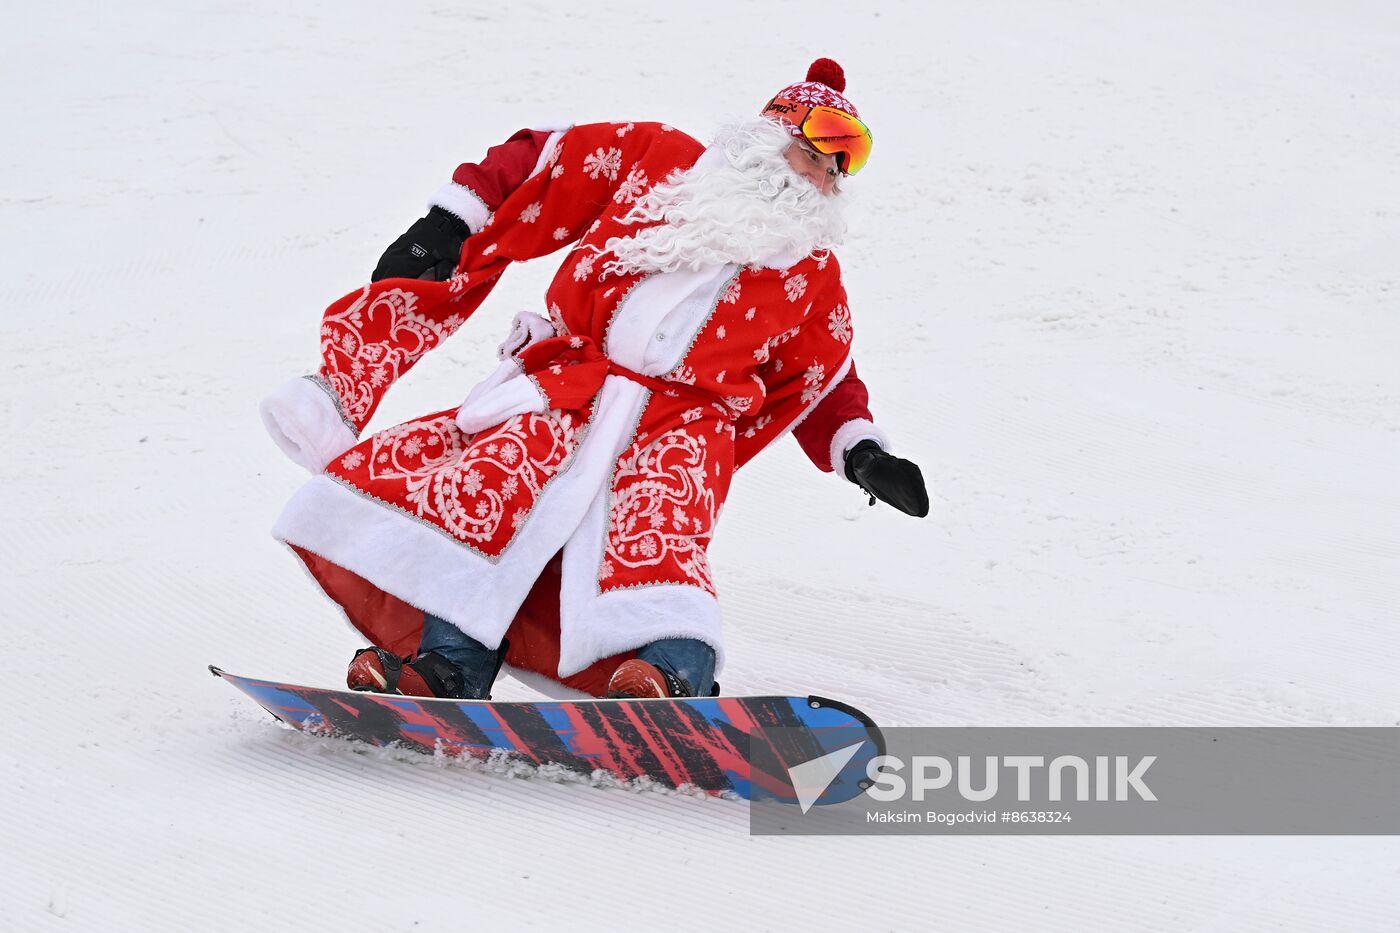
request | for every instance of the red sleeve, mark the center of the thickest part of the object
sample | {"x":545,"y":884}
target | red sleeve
{"x":477,"y":189}
{"x":504,"y":168}
{"x":847,"y":404}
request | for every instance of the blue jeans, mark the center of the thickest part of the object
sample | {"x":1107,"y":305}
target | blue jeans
{"x":478,"y":663}
{"x":687,"y":659}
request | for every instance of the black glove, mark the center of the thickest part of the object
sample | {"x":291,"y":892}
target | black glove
{"x":887,"y":478}
{"x":429,"y":250}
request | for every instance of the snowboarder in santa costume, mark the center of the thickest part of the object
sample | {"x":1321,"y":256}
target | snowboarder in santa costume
{"x":557,"y":520}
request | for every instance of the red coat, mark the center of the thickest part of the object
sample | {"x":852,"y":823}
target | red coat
{"x":601,"y":449}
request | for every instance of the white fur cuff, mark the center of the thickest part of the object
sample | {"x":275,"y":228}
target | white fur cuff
{"x":514,"y":396}
{"x":849,"y":435}
{"x":464,"y":202}
{"x":305,"y":423}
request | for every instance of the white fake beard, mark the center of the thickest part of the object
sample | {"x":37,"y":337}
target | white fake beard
{"x":746,"y":209}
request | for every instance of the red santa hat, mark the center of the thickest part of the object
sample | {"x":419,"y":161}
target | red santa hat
{"x":825,"y":82}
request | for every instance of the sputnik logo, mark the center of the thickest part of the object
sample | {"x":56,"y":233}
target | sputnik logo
{"x":811,"y":778}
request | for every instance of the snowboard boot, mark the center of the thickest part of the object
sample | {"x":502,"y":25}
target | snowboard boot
{"x":374,"y":670}
{"x":668,"y":667}
{"x":638,"y":680}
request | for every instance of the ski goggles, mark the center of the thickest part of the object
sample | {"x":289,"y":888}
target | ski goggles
{"x":827,"y":130}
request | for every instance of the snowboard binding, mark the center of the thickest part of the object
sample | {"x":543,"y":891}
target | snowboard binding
{"x":374,"y":670}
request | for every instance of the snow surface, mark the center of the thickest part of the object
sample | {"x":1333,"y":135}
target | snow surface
{"x":1125,"y":284}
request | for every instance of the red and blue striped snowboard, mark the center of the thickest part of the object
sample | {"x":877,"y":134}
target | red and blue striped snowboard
{"x":697,"y":742}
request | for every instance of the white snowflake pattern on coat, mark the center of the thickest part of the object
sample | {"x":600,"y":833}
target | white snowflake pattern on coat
{"x":607,"y":163}
{"x":531,"y":213}
{"x":838,"y":322}
{"x":458,"y":286}
{"x":812,"y":381}
{"x":632,"y":187}
{"x":796,"y":287}
{"x":585,"y":265}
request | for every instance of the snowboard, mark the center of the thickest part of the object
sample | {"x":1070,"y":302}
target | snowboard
{"x":705,"y":743}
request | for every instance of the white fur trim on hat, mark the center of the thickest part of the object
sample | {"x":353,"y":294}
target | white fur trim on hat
{"x":305,"y":422}
{"x":849,"y":435}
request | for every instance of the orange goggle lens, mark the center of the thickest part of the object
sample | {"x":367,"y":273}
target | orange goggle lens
{"x":835,"y":132}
